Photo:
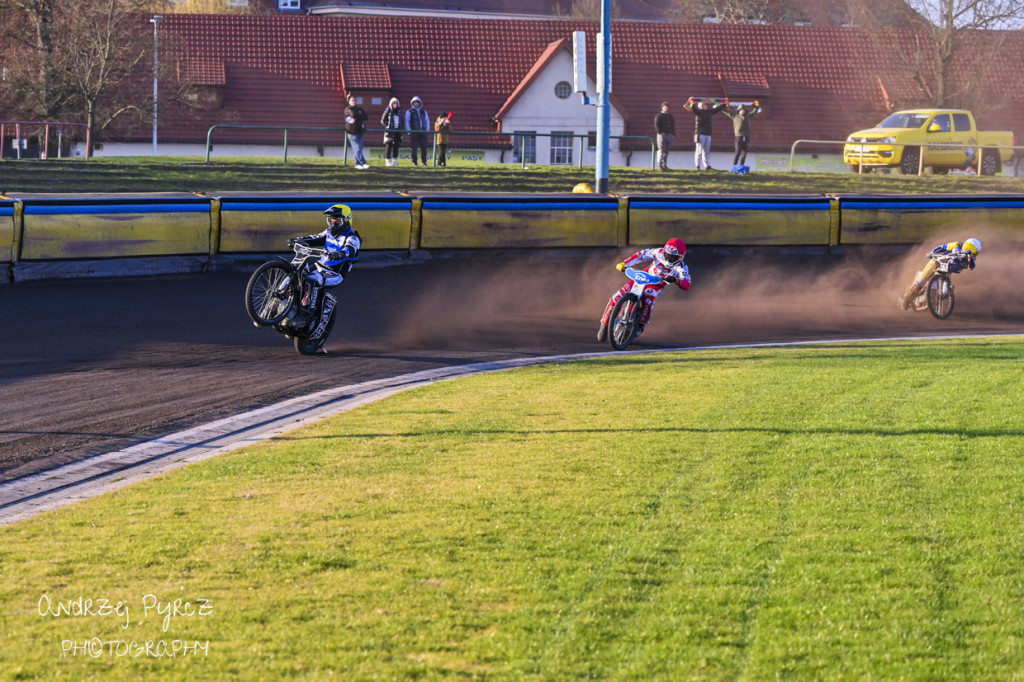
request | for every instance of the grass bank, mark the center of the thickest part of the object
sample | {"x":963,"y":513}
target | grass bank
{"x":833,"y":512}
{"x":253,"y":174}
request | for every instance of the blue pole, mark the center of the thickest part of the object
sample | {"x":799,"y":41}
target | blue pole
{"x":604,"y":87}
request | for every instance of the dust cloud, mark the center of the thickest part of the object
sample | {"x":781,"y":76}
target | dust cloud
{"x":523,"y":298}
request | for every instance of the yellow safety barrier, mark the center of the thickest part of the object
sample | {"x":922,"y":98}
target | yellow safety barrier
{"x":513,"y":221}
{"x":774,"y":220}
{"x":69,"y":228}
{"x":46,"y":232}
{"x":8,"y":241}
{"x":914,"y":219}
{"x":260,"y":223}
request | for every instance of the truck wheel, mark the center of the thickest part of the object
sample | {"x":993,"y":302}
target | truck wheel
{"x":940,"y":170}
{"x":990,"y":163}
{"x":910,"y":161}
{"x":855,"y":168}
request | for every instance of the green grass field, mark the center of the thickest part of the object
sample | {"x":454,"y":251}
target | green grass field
{"x":302,"y":174}
{"x":850,"y":511}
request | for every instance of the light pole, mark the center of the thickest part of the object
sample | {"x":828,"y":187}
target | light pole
{"x":604,"y":89}
{"x":156,"y":63}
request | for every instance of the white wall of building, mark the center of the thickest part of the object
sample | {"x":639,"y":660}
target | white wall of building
{"x":540,"y":110}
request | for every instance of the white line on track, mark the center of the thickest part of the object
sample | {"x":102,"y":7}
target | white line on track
{"x":25,"y":497}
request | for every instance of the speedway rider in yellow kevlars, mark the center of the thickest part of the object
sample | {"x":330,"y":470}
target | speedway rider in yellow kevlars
{"x":965,"y":254}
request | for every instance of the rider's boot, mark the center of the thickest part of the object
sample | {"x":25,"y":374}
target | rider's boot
{"x":602,"y":333}
{"x":912,"y":292}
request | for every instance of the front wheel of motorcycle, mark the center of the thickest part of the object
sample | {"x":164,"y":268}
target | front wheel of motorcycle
{"x":271,"y":292}
{"x":940,"y":296}
{"x":623,"y":323}
{"x":304,"y":345}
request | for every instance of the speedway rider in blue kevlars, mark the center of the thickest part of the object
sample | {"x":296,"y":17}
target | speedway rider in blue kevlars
{"x":666,"y":263}
{"x":965,"y":255}
{"x":341,"y":245}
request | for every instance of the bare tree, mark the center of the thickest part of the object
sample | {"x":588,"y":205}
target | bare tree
{"x":741,"y":11}
{"x":951,"y":52}
{"x":83,"y":61}
{"x":585,"y":9}
{"x":29,"y":88}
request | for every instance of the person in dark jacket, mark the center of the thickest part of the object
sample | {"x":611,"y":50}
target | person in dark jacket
{"x":355,"y":128}
{"x":418,"y":123}
{"x":391,"y":121}
{"x":741,"y":128}
{"x":665,"y":126}
{"x":702,"y":113}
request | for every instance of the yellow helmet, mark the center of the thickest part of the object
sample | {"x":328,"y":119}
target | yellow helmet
{"x":973,"y":246}
{"x":339,"y":215}
{"x":583,"y":188}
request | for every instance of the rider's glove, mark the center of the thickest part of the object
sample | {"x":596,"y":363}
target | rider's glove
{"x":970,"y":262}
{"x":671,"y":279}
{"x":620,"y":267}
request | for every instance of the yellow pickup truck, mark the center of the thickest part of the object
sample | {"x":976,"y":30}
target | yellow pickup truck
{"x":947,"y":138}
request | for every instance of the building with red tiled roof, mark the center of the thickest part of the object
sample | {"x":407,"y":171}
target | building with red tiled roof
{"x":814,"y":82}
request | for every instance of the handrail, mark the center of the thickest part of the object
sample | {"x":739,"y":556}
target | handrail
{"x":920,"y":161}
{"x":46,"y":138}
{"x":468,"y":133}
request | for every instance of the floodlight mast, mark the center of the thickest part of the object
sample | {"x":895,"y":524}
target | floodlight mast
{"x":604,"y":89}
{"x":156,"y":68}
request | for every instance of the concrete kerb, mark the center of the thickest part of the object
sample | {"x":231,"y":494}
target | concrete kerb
{"x":26,"y":497}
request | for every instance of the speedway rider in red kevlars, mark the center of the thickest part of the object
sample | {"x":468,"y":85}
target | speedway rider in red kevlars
{"x":666,"y":263}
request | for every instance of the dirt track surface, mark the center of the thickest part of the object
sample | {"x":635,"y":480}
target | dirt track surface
{"x":91,"y":366}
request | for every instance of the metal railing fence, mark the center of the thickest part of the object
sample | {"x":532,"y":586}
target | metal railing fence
{"x":521,"y":142}
{"x":46,"y":125}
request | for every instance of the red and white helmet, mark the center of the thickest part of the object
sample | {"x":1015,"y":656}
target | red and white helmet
{"x":674,"y":249}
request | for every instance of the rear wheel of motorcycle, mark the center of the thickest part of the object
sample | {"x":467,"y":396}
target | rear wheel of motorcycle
{"x":623,"y":322}
{"x":306,"y":346}
{"x":940,"y":296}
{"x":270,"y":293}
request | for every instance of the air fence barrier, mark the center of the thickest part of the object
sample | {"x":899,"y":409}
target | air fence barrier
{"x":518,"y":141}
{"x":65,"y":236}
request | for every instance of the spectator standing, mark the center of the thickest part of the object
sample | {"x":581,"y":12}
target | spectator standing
{"x":443,"y":127}
{"x":702,"y":113}
{"x":665,"y":126}
{"x":391,"y":121}
{"x":741,"y":129}
{"x":355,"y":128}
{"x":417,"y":123}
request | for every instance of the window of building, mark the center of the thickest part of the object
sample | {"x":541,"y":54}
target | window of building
{"x":592,"y":139}
{"x":563,"y":89}
{"x":377,"y":101}
{"x":289,"y":4}
{"x":524,"y":142}
{"x":561,"y":148}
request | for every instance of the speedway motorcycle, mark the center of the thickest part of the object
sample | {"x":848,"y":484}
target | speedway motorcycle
{"x":624,"y":322}
{"x":275,"y":294}
{"x":937,"y":293}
